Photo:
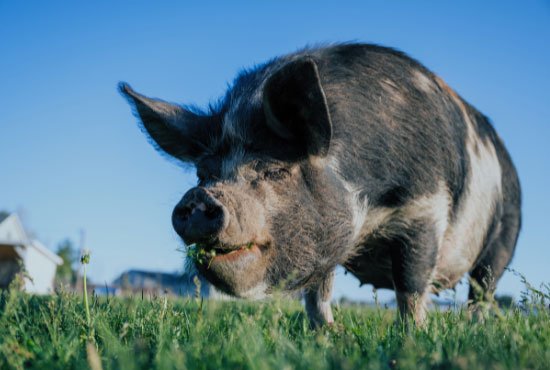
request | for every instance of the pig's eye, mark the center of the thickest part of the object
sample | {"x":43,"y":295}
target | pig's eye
{"x":276,"y":174}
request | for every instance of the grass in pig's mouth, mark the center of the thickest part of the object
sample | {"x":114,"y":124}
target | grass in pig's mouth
{"x":204,"y":253}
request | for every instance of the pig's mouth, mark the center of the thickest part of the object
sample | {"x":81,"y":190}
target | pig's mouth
{"x":216,"y":251}
{"x":236,"y":270}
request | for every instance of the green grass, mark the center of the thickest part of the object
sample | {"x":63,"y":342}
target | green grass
{"x":168,"y":333}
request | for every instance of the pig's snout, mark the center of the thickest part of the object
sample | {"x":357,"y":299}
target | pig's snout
{"x":199,"y":217}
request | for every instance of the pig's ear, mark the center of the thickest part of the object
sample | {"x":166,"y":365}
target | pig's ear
{"x":296,"y":107}
{"x":172,"y":128}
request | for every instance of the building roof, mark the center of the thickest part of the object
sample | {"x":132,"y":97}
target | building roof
{"x":46,"y":252}
{"x":12,"y":230}
{"x":136,"y":277}
{"x":19,"y":238}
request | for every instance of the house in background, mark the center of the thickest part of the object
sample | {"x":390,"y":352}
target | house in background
{"x":17,"y":250}
{"x":158,"y":283}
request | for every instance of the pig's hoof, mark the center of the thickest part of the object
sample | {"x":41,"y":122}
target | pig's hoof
{"x":479,"y":312}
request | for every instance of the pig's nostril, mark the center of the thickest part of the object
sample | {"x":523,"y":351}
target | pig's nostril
{"x":212,"y":213}
{"x":183,"y":213}
{"x":198,"y":217}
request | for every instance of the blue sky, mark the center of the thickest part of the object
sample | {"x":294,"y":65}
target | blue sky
{"x":72,"y":157}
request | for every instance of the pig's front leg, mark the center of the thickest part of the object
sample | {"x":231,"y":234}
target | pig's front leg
{"x":414,"y":254}
{"x":317,"y":299}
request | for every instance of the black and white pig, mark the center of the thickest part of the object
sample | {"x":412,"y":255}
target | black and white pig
{"x":352,"y":155}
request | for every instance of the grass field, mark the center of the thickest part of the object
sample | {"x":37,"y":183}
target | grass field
{"x":168,"y":333}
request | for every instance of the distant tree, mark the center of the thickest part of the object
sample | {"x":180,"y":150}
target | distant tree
{"x":504,"y":301}
{"x":67,"y":272}
{"x":3,"y":214}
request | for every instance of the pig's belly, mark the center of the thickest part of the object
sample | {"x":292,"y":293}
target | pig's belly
{"x":373,"y":266}
{"x":453,"y":261}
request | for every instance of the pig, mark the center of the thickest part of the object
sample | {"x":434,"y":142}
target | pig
{"x":350,"y":154}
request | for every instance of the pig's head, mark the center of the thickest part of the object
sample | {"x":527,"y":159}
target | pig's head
{"x":269,"y":211}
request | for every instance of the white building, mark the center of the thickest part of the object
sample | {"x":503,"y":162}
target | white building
{"x":17,"y":249}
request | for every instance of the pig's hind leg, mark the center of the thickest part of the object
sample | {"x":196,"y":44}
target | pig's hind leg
{"x":317,"y":301}
{"x":494,"y":259}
